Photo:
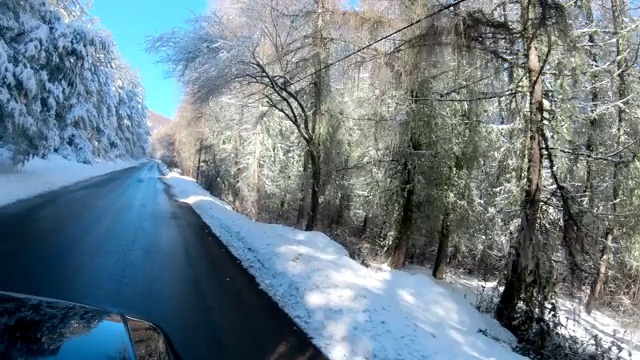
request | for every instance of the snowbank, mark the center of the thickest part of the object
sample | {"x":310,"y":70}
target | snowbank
{"x":606,"y":325}
{"x":42,"y":175}
{"x":350,"y":311}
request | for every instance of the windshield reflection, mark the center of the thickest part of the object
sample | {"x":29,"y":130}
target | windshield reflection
{"x":105,"y":339}
{"x":38,"y":328}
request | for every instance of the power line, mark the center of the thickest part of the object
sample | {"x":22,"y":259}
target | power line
{"x":430,"y":15}
{"x":442,"y":9}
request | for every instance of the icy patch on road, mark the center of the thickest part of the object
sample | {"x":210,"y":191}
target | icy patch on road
{"x":42,"y":175}
{"x":349,"y":311}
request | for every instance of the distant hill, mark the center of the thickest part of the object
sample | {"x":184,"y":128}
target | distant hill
{"x":157,"y":121}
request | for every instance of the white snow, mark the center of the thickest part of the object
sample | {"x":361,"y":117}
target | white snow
{"x":42,"y":175}
{"x":350,"y":311}
{"x":603,"y":324}
{"x":576,"y":322}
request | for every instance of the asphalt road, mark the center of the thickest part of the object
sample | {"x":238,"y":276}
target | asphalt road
{"x":120,"y":242}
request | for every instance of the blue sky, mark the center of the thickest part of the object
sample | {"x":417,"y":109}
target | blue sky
{"x":130,"y":22}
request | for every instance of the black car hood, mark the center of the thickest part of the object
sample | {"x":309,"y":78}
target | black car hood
{"x":32,"y":327}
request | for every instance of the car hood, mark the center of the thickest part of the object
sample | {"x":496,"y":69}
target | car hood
{"x":32,"y":327}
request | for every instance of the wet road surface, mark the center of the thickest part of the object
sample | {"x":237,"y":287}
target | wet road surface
{"x":120,"y":242}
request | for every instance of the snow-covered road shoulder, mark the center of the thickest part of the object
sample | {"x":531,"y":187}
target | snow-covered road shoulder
{"x":349,"y":311}
{"x":39,"y":176}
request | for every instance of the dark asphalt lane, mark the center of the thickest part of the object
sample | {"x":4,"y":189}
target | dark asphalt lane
{"x":120,"y":242}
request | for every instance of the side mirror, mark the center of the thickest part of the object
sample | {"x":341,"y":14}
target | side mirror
{"x":148,"y":341}
{"x":34,"y":327}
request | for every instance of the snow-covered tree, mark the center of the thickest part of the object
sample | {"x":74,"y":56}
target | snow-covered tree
{"x":63,"y":87}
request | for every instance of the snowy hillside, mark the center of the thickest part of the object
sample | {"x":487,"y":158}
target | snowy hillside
{"x":622,"y":333}
{"x":156,"y":121}
{"x":64,"y":87}
{"x":350,"y":311}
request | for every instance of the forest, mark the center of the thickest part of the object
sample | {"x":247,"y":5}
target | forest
{"x":494,"y":137}
{"x":64,"y":87}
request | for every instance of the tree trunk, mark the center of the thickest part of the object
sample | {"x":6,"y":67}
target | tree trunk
{"x":319,"y":78}
{"x":455,"y":254}
{"x":593,"y":117}
{"x":598,"y":281}
{"x":522,"y":257}
{"x":281,"y":209}
{"x":302,"y":203}
{"x":572,"y":238}
{"x":237,"y":164}
{"x":200,"y":148}
{"x":199,"y":158}
{"x":315,"y":197}
{"x":257,"y":181}
{"x":344,"y":198}
{"x":443,"y":246}
{"x":316,"y":118}
{"x":400,"y":240}
{"x":622,"y":68}
{"x":363,"y":226}
{"x":337,"y":220}
{"x":593,"y":123}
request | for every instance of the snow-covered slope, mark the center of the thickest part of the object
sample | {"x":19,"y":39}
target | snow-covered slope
{"x":156,"y":121}
{"x":52,"y":104}
{"x":41,"y":175}
{"x":609,"y":327}
{"x":350,"y":311}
